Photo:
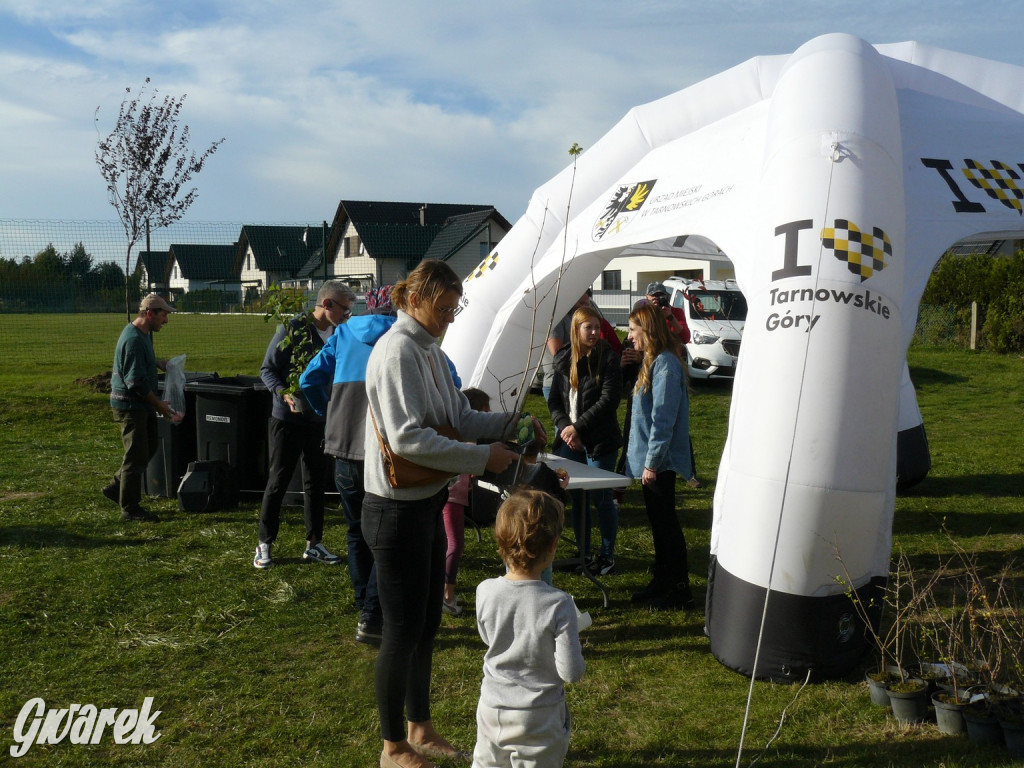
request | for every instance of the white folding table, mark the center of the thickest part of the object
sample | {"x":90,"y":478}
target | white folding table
{"x":583,"y":477}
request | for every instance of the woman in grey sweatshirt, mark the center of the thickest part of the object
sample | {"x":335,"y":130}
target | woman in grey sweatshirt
{"x":410,"y":391}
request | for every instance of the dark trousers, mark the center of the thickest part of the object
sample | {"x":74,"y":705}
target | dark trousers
{"x":409,"y":545}
{"x":607,"y":514}
{"x":290,"y":441}
{"x":670,"y":566}
{"x":348,"y":479}
{"x":140,"y":439}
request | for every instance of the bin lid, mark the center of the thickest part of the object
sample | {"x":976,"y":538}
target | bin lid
{"x":223,"y":384}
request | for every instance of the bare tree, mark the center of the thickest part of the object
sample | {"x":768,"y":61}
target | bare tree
{"x":146,"y":160}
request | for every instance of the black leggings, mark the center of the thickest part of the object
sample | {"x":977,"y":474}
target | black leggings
{"x":671,"y":569}
{"x":409,"y":547}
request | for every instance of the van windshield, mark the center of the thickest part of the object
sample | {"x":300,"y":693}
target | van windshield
{"x":713,"y":305}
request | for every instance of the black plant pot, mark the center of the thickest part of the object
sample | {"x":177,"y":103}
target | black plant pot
{"x":876,"y":688}
{"x":909,"y":700}
{"x":982,"y":724}
{"x":949,"y":714}
{"x":1013,"y":735}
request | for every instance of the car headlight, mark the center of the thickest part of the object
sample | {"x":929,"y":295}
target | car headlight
{"x":703,"y":337}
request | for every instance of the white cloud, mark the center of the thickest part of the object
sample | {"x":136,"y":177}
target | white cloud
{"x":446,"y":100}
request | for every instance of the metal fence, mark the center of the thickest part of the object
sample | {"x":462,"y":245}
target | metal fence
{"x":51,"y":269}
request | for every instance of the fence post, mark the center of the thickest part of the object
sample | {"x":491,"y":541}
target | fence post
{"x":974,"y":325}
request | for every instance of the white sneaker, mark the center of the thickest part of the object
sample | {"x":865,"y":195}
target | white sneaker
{"x":319,"y":553}
{"x":451,"y":608}
{"x":262,"y":558}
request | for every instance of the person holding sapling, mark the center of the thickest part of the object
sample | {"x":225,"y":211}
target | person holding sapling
{"x":296,"y":433}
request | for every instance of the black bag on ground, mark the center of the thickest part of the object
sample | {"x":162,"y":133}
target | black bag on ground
{"x":208,"y":486}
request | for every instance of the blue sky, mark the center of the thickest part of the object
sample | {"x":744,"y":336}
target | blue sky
{"x":468,"y":102}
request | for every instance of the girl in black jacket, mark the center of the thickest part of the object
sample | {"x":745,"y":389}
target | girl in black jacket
{"x":584,"y":404}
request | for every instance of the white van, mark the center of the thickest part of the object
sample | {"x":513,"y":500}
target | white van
{"x":716,"y":312}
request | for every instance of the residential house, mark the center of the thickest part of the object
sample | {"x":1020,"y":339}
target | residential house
{"x":992,"y":244}
{"x":156,"y":271}
{"x":205,"y":268}
{"x":694,"y":256}
{"x":378,"y":243}
{"x":283,"y":255}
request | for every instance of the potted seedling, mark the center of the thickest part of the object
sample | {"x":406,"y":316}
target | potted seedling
{"x":287,"y":307}
{"x":943,"y":634}
{"x":887,"y":621}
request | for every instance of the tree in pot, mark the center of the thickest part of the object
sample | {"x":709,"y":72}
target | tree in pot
{"x":943,"y":638}
{"x":994,"y":621}
{"x":889,"y":624}
{"x":1007,"y":702}
{"x":284,"y":307}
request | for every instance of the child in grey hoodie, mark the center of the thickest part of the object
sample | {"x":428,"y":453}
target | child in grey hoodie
{"x":533,"y":644}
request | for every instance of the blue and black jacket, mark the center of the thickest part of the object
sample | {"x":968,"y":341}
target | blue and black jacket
{"x":334,"y":383}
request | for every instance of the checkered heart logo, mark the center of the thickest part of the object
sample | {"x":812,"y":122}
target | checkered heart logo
{"x":864,"y":253}
{"x":484,"y":267}
{"x":998,"y":182}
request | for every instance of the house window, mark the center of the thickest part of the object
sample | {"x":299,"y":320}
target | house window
{"x":485,"y":248}
{"x":611,"y":280}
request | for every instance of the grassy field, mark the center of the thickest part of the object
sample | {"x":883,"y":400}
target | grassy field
{"x":253,"y":668}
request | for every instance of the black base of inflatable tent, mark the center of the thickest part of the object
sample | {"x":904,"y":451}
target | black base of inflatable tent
{"x":823,"y":635}
{"x":913,"y":458}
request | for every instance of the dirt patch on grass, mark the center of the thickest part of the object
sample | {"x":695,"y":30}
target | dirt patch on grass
{"x":21,"y":496}
{"x":99,"y":383}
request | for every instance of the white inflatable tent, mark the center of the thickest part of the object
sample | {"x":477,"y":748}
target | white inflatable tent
{"x":833,"y":178}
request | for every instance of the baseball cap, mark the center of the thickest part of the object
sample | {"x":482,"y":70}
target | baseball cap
{"x":155,"y":302}
{"x":653,"y":289}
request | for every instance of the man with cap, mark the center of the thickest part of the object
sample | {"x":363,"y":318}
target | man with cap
{"x":135,"y":404}
{"x":658,"y":295}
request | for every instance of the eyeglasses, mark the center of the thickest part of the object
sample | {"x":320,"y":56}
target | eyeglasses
{"x":345,"y":311}
{"x":453,"y":311}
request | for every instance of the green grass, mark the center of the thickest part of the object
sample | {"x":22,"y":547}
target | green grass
{"x":254,"y":668}
{"x":76,"y":345}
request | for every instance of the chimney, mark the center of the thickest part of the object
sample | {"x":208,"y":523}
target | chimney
{"x":423,"y":215}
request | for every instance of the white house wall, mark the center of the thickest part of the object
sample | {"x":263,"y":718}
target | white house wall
{"x":638,"y":271}
{"x":251,"y":275}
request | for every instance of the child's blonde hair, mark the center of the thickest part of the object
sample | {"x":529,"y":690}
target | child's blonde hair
{"x":528,"y":523}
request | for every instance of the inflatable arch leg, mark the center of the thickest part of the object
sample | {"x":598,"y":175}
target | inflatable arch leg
{"x":809,"y":465}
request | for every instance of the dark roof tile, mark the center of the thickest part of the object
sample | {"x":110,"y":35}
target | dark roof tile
{"x":280,"y":248}
{"x":457,"y":231}
{"x":157,"y":264}
{"x":205,"y":262}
